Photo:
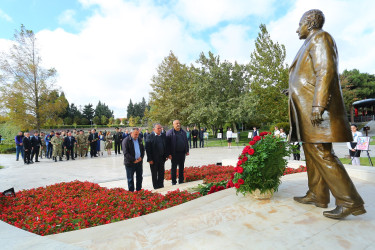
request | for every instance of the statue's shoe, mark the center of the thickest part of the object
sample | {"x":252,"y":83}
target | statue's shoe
{"x":341,"y":212}
{"x":309,"y":200}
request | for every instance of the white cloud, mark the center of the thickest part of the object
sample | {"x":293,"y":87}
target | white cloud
{"x":351,"y":23}
{"x":115,"y":55}
{"x":204,"y":14}
{"x":116,"y":51}
{"x":232,"y":43}
{"x":5,"y":16}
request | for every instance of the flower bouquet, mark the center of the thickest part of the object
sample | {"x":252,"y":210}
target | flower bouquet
{"x":261,"y":165}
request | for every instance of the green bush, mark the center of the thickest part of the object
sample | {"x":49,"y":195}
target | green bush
{"x":7,"y":148}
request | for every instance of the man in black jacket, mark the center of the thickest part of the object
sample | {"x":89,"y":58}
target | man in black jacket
{"x":36,"y":142}
{"x":156,"y":149}
{"x":93,"y":138}
{"x":26,"y":142}
{"x":68,"y":143}
{"x":117,"y":138}
{"x":133,"y":158}
{"x":178,"y":149}
{"x":195,"y":133}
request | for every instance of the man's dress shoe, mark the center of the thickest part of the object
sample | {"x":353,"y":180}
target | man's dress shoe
{"x":308,"y":200}
{"x":341,"y":212}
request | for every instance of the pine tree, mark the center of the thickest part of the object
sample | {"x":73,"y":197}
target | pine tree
{"x":269,"y":77}
{"x":130,"y":109}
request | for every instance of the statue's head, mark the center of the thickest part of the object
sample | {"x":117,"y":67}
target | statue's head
{"x":312,"y":19}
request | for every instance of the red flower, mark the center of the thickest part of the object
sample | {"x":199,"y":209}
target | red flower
{"x":240,"y":181}
{"x":239,"y":163}
{"x":232,"y":176}
{"x":245,"y":158}
{"x":252,"y":143}
{"x":230,"y":184}
{"x":251,"y":151}
{"x":263,"y":133}
{"x":237,"y":185}
{"x":239,"y":170}
{"x":257,"y":138}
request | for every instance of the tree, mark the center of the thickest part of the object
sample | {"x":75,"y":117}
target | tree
{"x":130,"y":109}
{"x":88,"y":112}
{"x":217,"y":88}
{"x":356,"y":86}
{"x":85,"y":121}
{"x":132,"y":121}
{"x":102,"y":109}
{"x":268,"y":78}
{"x":170,"y":91}
{"x":68,"y":121}
{"x":118,"y":121}
{"x":96,"y":120}
{"x":25,"y":85}
{"x":104,"y":120}
{"x":110,"y":121}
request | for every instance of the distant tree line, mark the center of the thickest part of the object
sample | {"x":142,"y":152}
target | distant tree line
{"x":217,"y":93}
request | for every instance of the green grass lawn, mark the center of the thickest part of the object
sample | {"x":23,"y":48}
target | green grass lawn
{"x":1,"y":167}
{"x":364,"y":161}
{"x":214,"y":142}
{"x":372,"y":142}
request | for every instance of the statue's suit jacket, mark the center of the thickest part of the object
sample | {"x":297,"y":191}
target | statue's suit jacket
{"x":314,"y":82}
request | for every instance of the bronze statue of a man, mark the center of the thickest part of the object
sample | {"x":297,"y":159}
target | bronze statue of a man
{"x":318,"y":118}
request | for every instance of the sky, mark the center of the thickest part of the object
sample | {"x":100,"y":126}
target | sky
{"x":108,"y":50}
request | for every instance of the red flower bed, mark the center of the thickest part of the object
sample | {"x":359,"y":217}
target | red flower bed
{"x":75,"y":205}
{"x":207,"y":173}
{"x":295,"y":170}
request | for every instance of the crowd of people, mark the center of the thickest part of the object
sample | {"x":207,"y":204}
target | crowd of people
{"x":69,"y":144}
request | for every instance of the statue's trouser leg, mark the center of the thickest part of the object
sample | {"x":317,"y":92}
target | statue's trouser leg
{"x":325,"y":172}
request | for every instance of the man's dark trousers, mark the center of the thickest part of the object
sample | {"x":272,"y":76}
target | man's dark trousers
{"x":178,"y":159}
{"x":195,"y":142}
{"x":69,"y":151}
{"x":201,"y":143}
{"x":117,"y":147}
{"x":49,"y":150}
{"x":138,"y":170}
{"x":93,"y":146}
{"x":157,"y":173}
{"x":26,"y":157}
{"x":35,"y":152}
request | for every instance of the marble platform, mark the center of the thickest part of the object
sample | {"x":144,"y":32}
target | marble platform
{"x":223,"y":220}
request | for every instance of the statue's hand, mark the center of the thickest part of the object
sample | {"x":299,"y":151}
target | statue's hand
{"x":316,"y":115}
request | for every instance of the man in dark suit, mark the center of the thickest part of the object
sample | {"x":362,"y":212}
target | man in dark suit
{"x":201,"y":138}
{"x":117,"y":138}
{"x":133,"y":159}
{"x":178,"y":149}
{"x":68,"y":143}
{"x":93,"y":138}
{"x":156,"y":149}
{"x":318,"y":118}
{"x":36,"y":142}
{"x":26,"y":143}
{"x":195,"y":134}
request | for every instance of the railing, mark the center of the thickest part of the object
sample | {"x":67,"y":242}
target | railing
{"x":365,"y":118}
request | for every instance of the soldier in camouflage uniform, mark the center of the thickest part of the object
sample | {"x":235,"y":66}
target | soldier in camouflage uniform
{"x":43,"y":146}
{"x":75,"y":149}
{"x":82,"y":144}
{"x":57,"y":143}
